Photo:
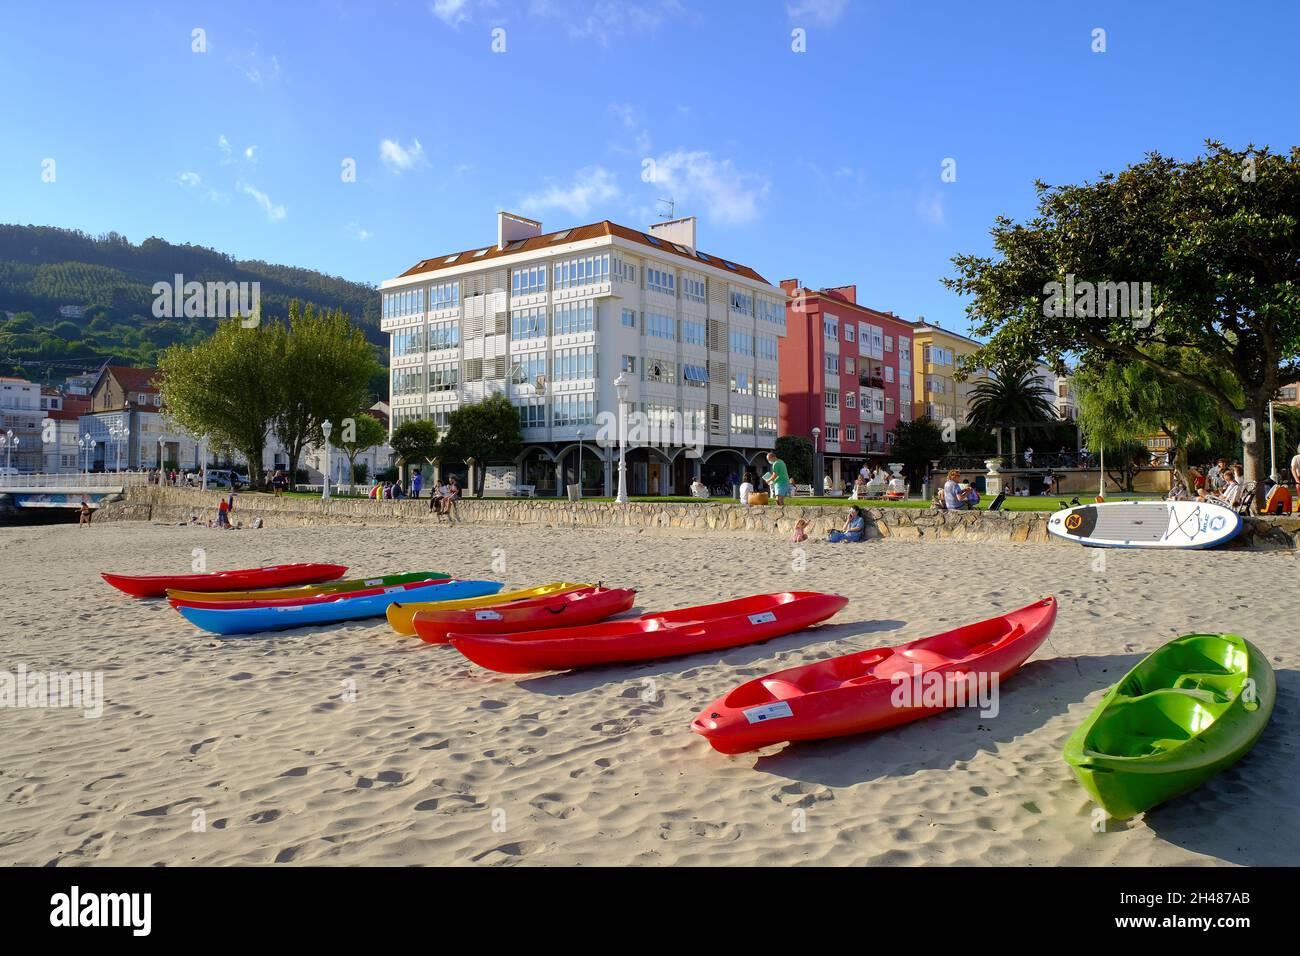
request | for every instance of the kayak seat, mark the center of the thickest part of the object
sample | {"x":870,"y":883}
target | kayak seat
{"x":783,"y":689}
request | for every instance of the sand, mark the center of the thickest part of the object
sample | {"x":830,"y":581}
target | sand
{"x":255,"y":750}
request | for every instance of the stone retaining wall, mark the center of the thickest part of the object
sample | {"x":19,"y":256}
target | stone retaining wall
{"x":175,"y":505}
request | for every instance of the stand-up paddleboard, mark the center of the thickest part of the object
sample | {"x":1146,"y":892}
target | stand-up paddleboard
{"x":1146,"y":524}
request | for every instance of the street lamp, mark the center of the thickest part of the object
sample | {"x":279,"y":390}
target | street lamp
{"x":326,"y":428}
{"x":579,"y":462}
{"x":620,"y":385}
{"x":162,"y":442}
{"x":817,"y":471}
{"x":10,"y":443}
{"x":88,"y":445}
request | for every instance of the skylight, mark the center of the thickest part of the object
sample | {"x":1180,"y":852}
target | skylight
{"x":703,"y":256}
{"x":481,"y":252}
{"x":516,"y":244}
{"x":452,"y":258}
{"x":652,"y":240}
{"x":561,"y":235}
{"x":682,"y":249}
{"x":730,"y":265}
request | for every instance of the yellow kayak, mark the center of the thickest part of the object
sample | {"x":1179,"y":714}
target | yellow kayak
{"x":402,"y":616}
{"x":307,"y":590}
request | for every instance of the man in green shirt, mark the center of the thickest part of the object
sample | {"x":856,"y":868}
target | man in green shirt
{"x":777,"y":478}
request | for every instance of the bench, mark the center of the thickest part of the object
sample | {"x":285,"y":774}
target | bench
{"x":525,"y":491}
{"x":803,"y":491}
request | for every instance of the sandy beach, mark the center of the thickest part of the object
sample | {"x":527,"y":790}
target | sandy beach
{"x":350,"y":745}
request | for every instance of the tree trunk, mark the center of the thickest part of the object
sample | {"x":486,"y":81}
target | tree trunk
{"x":1253,"y":424}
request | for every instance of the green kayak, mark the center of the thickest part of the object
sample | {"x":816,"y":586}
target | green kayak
{"x":1190,"y":709}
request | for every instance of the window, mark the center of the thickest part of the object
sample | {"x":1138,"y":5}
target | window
{"x":528,"y":369}
{"x":408,"y":381}
{"x":660,"y":370}
{"x":585,"y":270}
{"x":694,"y":289}
{"x":833,"y":433}
{"x":629,"y":364}
{"x":574,"y":364}
{"x":767,"y":348}
{"x":851,"y":433}
{"x":406,"y":342}
{"x":766,"y":388}
{"x":696,"y":376}
{"x":889,"y":373}
{"x":742,"y":383}
{"x":624,"y":270}
{"x":692,"y":332}
{"x":742,"y":303}
{"x":532,"y":415}
{"x":830,"y":327}
{"x":528,"y":281}
{"x":889,"y":343}
{"x":742,"y":343}
{"x":832,"y":399}
{"x":444,"y":295}
{"x":658,"y":280}
{"x":850,"y":366}
{"x":771,"y":310}
{"x":742,"y":424}
{"x":629,"y":318}
{"x":889,"y":406}
{"x":849,"y":334}
{"x":661,"y":326}
{"x":444,"y":335}
{"x":444,"y":377}
{"x":850,"y":400}
{"x":527,"y":324}
{"x":1288,"y":394}
{"x":570,"y":410}
{"x":767,"y":424}
{"x":571,"y":317}
{"x":833,"y":364}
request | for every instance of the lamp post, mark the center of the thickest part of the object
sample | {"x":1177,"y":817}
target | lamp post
{"x":817,"y":471}
{"x":162,"y":444}
{"x":1272,"y":447}
{"x":88,"y":446}
{"x":620,"y":385}
{"x":9,"y":442}
{"x":326,"y":428}
{"x":579,"y":462}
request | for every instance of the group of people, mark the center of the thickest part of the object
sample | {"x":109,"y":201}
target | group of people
{"x":1224,"y":483}
{"x":957,"y":493}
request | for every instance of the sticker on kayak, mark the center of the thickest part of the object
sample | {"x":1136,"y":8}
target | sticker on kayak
{"x":488,"y":616}
{"x":373,"y":582}
{"x":297,"y":607}
{"x":756,"y":715}
{"x":767,"y":617}
{"x":396,"y":587}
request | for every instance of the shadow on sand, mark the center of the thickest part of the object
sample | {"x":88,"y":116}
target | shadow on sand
{"x":575,"y":682}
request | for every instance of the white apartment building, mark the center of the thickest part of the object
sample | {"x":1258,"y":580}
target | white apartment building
{"x":551,"y":320}
{"x":20,"y":424}
{"x":1061,"y":391}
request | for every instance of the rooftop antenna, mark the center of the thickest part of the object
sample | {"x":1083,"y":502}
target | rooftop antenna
{"x":671,"y":203}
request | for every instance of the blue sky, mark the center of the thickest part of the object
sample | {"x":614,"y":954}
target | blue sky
{"x":824,"y":164}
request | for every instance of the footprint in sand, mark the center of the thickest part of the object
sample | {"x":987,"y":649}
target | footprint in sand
{"x":507,"y":854}
{"x":265,"y":816}
{"x":615,"y":728}
{"x":201,"y":744}
{"x":801,"y":794}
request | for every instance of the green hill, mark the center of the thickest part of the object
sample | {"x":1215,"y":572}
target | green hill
{"x":43,"y":268}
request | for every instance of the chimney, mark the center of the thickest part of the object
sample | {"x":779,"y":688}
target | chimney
{"x":511,"y":227}
{"x":789,"y":285}
{"x":680,"y":231}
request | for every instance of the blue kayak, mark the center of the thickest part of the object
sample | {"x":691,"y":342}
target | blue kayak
{"x":252,"y":619}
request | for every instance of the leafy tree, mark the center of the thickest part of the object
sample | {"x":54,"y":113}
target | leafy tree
{"x":487,"y":431}
{"x":1014,"y":396}
{"x":366,"y":432}
{"x":324,"y":374}
{"x":1218,"y":240}
{"x":916,"y":444}
{"x":1125,"y":460}
{"x":227,"y":387}
{"x":415,"y":441}
{"x":1122,"y":402}
{"x":797,"y":453}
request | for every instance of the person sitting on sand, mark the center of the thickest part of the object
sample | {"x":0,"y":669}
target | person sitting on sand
{"x":855,"y":526}
{"x":746,"y":488}
{"x":800,"y":531}
{"x":778,"y":478}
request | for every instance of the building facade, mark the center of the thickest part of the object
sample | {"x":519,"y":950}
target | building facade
{"x":551,"y":320}
{"x":846,"y":370}
{"x":20,"y":424}
{"x":936,"y":353}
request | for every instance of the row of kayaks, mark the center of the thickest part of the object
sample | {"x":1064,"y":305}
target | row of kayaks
{"x":1190,"y":709}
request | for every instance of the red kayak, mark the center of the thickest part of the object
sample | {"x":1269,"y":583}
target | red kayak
{"x":300,"y":601}
{"x":870,"y":690}
{"x":708,"y":627}
{"x":276,"y":576}
{"x":559,"y":610}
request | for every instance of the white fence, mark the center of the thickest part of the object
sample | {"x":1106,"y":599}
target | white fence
{"x":107,"y":479}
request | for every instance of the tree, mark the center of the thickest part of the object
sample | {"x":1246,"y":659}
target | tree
{"x":324,"y":375}
{"x":1202,"y":255}
{"x":415,"y":441}
{"x":1013,"y":397}
{"x":1124,"y":460}
{"x":487,"y":431}
{"x":365,"y":433}
{"x":797,"y":453}
{"x":916,"y":444}
{"x":1123,"y":402}
{"x":227,"y":387}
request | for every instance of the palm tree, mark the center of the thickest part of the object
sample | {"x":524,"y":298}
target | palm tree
{"x":1012,"y":397}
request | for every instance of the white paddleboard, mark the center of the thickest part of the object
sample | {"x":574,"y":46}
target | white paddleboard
{"x":1146,"y":524}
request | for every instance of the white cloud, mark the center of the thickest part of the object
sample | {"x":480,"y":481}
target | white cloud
{"x":189,"y":180}
{"x":273,"y":212}
{"x":450,"y":12}
{"x":817,"y":11}
{"x":249,"y":153}
{"x":696,"y":178}
{"x":399,"y":158}
{"x":592,"y":186}
{"x":223,"y":144}
{"x":358,"y":233}
{"x":930,"y":207}
{"x":632,"y":120}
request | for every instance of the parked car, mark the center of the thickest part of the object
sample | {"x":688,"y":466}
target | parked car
{"x":9,"y":472}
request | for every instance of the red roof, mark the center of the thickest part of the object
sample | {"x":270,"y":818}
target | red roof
{"x":578,"y":234}
{"x":133,"y":379}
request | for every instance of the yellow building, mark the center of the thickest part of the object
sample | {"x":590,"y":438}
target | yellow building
{"x":935,"y":355}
